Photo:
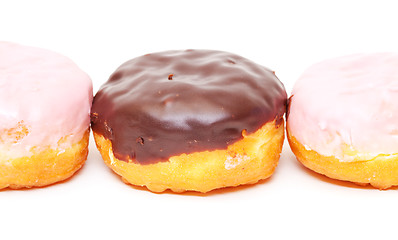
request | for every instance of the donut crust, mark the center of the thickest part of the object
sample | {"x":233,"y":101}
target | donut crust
{"x":380,"y":172}
{"x":44,"y":167}
{"x":246,"y":161}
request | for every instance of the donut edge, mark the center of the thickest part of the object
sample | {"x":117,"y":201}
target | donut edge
{"x":246,"y":161}
{"x":44,"y":168}
{"x":380,"y":172}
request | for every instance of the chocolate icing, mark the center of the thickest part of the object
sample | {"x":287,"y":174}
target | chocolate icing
{"x":165,"y":104}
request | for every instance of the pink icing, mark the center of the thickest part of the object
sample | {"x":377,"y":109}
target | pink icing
{"x":348,"y":107}
{"x":45,"y":91}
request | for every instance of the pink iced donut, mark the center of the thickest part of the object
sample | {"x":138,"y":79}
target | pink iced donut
{"x":343,"y":118}
{"x":45,"y":101}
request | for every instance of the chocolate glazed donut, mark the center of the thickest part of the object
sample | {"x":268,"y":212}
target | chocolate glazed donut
{"x":165,"y":104}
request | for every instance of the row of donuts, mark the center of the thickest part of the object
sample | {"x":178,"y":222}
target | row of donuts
{"x":196,"y":120}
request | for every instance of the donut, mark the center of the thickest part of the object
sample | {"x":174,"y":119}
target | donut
{"x":190,"y":120}
{"x":45,"y":102}
{"x":342,"y":120}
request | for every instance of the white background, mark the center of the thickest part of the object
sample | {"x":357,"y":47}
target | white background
{"x":286,"y":36}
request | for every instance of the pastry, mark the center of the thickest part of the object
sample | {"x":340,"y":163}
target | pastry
{"x":343,"y":119}
{"x":192,"y":120}
{"x":45,"y":102}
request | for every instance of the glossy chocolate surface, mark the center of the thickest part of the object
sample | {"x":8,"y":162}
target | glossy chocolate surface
{"x":164,"y":104}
